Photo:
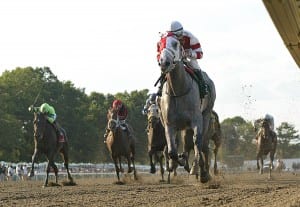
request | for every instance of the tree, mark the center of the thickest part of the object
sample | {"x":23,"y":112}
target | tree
{"x":238,"y":137}
{"x":287,"y":136}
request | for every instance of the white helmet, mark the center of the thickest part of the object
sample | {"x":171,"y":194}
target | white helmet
{"x":176,"y":28}
{"x":268,"y":116}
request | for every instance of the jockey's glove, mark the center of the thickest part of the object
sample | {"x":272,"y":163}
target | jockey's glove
{"x":190,"y":54}
{"x":30,"y":108}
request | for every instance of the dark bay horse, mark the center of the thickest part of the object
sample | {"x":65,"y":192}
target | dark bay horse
{"x":157,"y":144}
{"x":45,"y":142}
{"x":266,"y":140}
{"x":181,"y":106}
{"x":214,"y":134}
{"x":119,"y":144}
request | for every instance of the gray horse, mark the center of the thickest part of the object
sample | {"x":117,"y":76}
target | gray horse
{"x":181,"y":106}
{"x":214,"y":134}
{"x":119,"y":144}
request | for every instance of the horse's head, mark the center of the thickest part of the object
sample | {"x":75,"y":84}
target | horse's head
{"x":153,"y":115}
{"x":113,"y":121}
{"x":265,"y":124}
{"x":39,"y":125}
{"x":170,"y":52}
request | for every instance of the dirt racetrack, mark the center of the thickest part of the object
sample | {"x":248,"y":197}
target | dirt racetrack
{"x":229,"y":189}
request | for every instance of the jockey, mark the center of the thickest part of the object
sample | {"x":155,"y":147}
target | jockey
{"x":270,"y":119}
{"x":192,"y":52}
{"x":49,"y":111}
{"x":151,"y":100}
{"x":122,"y":115}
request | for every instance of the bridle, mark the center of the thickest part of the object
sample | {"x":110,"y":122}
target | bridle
{"x":173,"y":50}
{"x":171,"y":53}
{"x":113,"y":123}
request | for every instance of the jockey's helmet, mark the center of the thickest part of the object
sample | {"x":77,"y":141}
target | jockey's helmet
{"x":117,"y":104}
{"x":176,"y":28}
{"x":44,"y":107}
{"x":268,"y":116}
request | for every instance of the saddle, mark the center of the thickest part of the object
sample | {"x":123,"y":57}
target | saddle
{"x":199,"y":80}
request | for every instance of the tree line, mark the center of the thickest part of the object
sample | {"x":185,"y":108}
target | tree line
{"x":84,"y":118}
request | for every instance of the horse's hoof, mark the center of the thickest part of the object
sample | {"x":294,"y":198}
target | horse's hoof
{"x":173,"y":156}
{"x":204,"y":178}
{"x":181,"y":161}
{"x":194,"y":170}
{"x":187,"y":168}
{"x":152,"y":170}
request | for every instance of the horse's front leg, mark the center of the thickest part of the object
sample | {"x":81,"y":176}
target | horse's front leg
{"x":205,"y":151}
{"x":162,"y":171}
{"x":33,"y":158}
{"x":47,"y":174}
{"x":198,"y":142}
{"x":257,"y":161}
{"x":117,"y":168}
{"x":261,"y":171}
{"x":53,"y":165}
{"x":129,"y":164}
{"x":215,"y":161}
{"x":271,"y":160}
{"x":65,"y":157}
{"x":172,"y":147}
{"x":152,"y":165}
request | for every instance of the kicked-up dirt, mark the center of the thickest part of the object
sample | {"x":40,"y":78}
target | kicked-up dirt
{"x":228,"y":189}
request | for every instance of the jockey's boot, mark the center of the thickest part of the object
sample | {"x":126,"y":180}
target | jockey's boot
{"x":60,"y":145}
{"x":202,"y":85}
{"x":105,"y":134}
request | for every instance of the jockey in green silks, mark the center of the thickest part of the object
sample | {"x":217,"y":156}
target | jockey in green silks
{"x":49,"y":111}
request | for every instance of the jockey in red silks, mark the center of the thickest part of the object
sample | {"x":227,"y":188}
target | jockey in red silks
{"x":192,"y":52}
{"x":122,"y":110}
{"x":122,"y":115}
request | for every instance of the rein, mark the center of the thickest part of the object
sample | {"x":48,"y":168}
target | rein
{"x":183,"y":94}
{"x":42,"y":132}
{"x":175,"y":62}
{"x":116,"y":121}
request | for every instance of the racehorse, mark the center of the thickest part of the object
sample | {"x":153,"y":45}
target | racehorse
{"x":214,"y":134}
{"x":157,"y":144}
{"x":120,"y":144}
{"x":181,"y":106}
{"x":45,"y":142}
{"x":266,"y":140}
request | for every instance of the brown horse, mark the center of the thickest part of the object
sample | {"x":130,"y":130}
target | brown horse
{"x":120,"y":144}
{"x":157,"y":144}
{"x":45,"y":142}
{"x":214,"y":133}
{"x":266,"y":140}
